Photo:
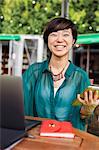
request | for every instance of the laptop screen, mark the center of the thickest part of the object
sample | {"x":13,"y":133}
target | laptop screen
{"x":11,"y":102}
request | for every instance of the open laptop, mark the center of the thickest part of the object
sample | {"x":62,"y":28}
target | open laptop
{"x":13,"y":126}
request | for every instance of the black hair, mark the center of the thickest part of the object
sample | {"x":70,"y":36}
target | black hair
{"x":59,"y":23}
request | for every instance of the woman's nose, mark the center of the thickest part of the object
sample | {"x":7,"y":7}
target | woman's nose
{"x":60,"y":38}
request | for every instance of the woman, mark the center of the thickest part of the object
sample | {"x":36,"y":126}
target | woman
{"x":50,"y":87}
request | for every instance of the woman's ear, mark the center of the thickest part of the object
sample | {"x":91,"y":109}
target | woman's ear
{"x":73,"y":42}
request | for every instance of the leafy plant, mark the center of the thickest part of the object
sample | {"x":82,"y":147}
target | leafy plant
{"x":30,"y":16}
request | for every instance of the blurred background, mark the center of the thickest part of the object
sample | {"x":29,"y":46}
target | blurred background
{"x":21,"y":27}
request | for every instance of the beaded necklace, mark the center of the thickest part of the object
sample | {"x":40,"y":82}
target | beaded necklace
{"x":58,"y":76}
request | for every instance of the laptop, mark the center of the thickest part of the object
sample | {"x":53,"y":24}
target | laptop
{"x":13,"y":125}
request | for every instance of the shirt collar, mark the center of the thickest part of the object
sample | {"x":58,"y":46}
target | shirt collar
{"x":71,"y":68}
{"x":45,"y":66}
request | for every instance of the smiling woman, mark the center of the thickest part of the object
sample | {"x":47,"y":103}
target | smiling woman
{"x":50,"y":87}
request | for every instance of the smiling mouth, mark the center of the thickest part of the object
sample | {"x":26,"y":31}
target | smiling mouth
{"x":60,"y":46}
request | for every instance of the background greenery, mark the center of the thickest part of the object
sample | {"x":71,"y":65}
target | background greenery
{"x":30,"y":16}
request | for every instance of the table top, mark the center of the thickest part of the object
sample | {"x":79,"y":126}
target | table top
{"x":82,"y":141}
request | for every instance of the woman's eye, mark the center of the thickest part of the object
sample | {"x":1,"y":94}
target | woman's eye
{"x":53,"y":34}
{"x":65,"y":34}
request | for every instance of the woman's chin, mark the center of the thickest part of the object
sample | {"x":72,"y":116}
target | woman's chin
{"x":60,"y":54}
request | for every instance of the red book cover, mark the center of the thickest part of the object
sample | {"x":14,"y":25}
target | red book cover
{"x":55,"y":128}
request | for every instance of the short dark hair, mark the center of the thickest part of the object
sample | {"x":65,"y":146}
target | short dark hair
{"x":59,"y":23}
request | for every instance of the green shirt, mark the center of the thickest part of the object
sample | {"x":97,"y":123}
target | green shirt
{"x":39,"y":97}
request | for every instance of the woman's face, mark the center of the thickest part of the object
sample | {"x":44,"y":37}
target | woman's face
{"x":60,"y":42}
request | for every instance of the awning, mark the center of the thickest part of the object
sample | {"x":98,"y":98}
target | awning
{"x":88,"y":38}
{"x":82,"y":38}
{"x":9,"y":37}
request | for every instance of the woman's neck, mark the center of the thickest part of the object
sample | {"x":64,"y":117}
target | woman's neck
{"x":58,"y":66}
{"x":58,"y":62}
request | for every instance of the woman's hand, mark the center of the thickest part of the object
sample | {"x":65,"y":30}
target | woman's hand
{"x":90,"y":102}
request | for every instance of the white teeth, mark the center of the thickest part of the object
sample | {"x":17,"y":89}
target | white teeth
{"x":60,"y":46}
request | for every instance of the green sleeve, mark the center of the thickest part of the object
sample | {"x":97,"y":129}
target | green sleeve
{"x":85,"y":82}
{"x":77,"y":121}
{"x":29,"y":80}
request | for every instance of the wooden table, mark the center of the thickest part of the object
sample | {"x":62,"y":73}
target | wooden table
{"x":82,"y":141}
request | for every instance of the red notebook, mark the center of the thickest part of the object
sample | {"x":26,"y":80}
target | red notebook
{"x":55,"y":128}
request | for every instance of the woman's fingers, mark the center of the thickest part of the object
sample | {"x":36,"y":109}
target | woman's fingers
{"x":86,"y":98}
{"x":96,"y":95}
{"x":90,"y":98}
{"x":80,"y":99}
